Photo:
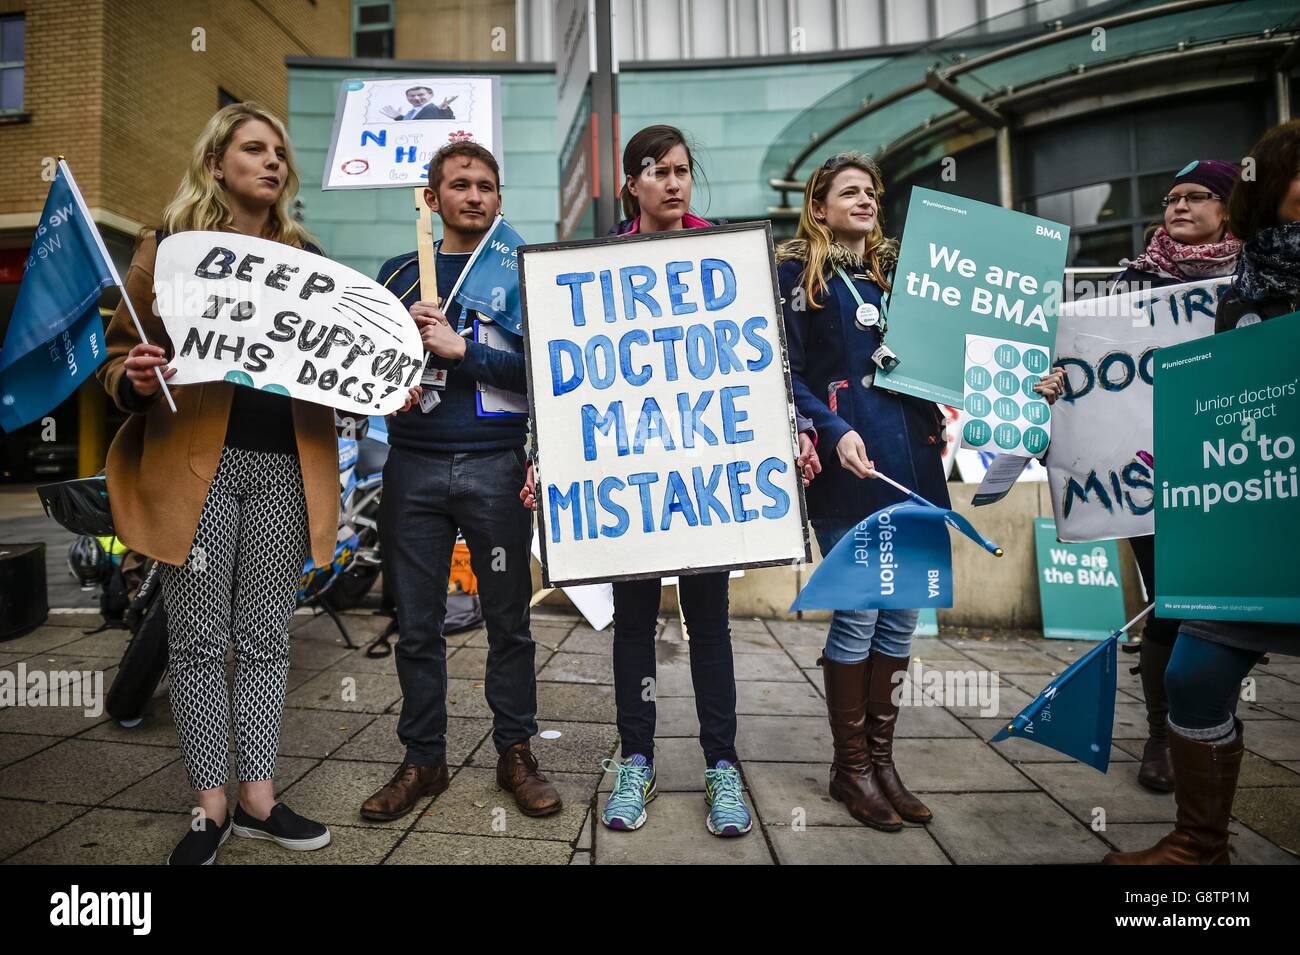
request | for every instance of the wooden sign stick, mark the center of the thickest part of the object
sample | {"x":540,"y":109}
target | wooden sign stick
{"x":424,"y":249}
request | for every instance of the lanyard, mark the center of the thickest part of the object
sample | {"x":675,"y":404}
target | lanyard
{"x":883,"y":311}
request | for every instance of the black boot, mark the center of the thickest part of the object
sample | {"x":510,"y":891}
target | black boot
{"x":1157,"y":770}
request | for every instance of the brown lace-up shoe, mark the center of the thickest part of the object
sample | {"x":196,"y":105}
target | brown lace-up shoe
{"x":409,"y":785}
{"x":517,"y":773}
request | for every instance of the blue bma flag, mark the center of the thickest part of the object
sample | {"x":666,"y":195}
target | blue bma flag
{"x":55,"y":338}
{"x":489,"y":284}
{"x":1075,"y":713}
{"x":898,"y":558}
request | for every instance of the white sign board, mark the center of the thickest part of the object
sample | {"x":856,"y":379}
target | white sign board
{"x":386,"y":130}
{"x":660,"y":394}
{"x":1101,"y":489}
{"x":265,"y":315}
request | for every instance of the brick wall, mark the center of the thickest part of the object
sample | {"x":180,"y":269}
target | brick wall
{"x":141,"y":89}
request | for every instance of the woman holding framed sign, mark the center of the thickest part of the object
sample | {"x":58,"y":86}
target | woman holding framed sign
{"x":659,"y":170}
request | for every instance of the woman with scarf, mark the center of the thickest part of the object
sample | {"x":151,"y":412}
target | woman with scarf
{"x":1212,"y":657}
{"x":1194,"y":244}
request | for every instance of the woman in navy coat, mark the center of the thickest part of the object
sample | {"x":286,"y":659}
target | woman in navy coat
{"x":833,"y":276}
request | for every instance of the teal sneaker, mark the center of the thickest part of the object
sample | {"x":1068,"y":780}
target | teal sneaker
{"x":633,"y":788}
{"x":728,"y":814}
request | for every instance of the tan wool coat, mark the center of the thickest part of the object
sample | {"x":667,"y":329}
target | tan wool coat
{"x":161,"y":465}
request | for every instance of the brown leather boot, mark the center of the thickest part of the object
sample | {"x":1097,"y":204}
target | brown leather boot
{"x":409,"y":785}
{"x":1205,"y":780}
{"x":517,"y":773}
{"x":1157,"y":770}
{"x":882,"y":717}
{"x":852,"y":781}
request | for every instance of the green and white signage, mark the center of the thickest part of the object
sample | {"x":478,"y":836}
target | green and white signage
{"x":968,"y":267}
{"x":1227,"y":419}
{"x":1079,"y":586}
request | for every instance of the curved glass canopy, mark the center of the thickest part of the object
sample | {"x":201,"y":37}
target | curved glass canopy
{"x":1022,"y":48}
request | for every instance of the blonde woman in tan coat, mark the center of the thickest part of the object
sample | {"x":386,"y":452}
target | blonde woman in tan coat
{"x":232,"y":492}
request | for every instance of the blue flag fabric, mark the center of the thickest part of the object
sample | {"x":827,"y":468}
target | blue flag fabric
{"x":490,"y":285}
{"x":55,"y":338}
{"x":1075,"y":713}
{"x":899,"y":557}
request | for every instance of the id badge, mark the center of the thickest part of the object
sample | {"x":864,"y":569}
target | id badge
{"x":434,"y":378}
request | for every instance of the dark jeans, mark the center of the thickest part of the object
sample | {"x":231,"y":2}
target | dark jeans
{"x":1161,"y":630}
{"x":427,"y":497}
{"x":1203,"y":679}
{"x":636,"y":613}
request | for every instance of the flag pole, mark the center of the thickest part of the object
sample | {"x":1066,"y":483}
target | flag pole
{"x":112,"y":268}
{"x":472,"y":259}
{"x":988,"y":545}
{"x":1125,"y":628}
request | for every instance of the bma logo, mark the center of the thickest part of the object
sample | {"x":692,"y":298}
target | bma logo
{"x":1049,"y":233}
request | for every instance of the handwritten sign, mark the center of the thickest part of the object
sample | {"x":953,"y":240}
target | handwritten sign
{"x":660,"y":395}
{"x":265,"y":315}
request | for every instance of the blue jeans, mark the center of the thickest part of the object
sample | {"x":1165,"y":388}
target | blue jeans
{"x":855,"y":633}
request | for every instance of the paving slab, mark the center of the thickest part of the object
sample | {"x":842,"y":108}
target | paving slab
{"x":378,"y":742}
{"x":579,"y":748}
{"x":583,"y":639}
{"x":857,"y":846}
{"x":108,"y":837}
{"x":1010,"y":829}
{"x":783,"y":739}
{"x":566,"y":667}
{"x":474,"y":806}
{"x":440,"y":848}
{"x":16,"y":746}
{"x":1081,"y":789}
{"x":763,"y":697}
{"x":346,"y":692}
{"x":675,"y":716}
{"x":470,"y":663}
{"x":82,"y":772}
{"x":44,"y":638}
{"x":26,"y":822}
{"x":675,"y":834}
{"x":955,"y":765}
{"x":1273,"y":812}
{"x":576,"y":702}
{"x":786,"y":793}
{"x":1278,"y":740}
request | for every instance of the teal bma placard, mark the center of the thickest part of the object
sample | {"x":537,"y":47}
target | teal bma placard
{"x":1080,"y":587}
{"x":1227,"y":418}
{"x":967,"y":267}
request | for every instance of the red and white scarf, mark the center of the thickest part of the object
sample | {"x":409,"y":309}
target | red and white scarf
{"x":1165,"y":255}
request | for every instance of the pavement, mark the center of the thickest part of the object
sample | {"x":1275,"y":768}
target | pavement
{"x":77,"y":789}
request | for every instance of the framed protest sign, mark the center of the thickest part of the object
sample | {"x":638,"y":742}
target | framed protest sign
{"x":1080,"y":589}
{"x":1101,"y":488}
{"x":662,"y":412}
{"x":387,"y":129}
{"x":265,"y":315}
{"x":968,"y":268}
{"x":1227,"y":503}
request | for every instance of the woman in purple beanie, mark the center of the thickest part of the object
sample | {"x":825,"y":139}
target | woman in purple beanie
{"x":1194,"y":244}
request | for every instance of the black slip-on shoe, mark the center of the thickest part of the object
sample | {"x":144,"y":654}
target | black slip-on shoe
{"x":284,"y":827}
{"x":199,"y":847}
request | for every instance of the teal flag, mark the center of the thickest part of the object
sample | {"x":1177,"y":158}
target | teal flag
{"x":1075,"y":713}
{"x":1227,"y":419}
{"x":968,"y":267}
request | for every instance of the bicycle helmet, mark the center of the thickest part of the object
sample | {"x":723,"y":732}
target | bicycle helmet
{"x":87,"y":561}
{"x":80,"y":505}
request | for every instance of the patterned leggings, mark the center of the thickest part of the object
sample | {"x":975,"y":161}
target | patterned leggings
{"x":239,"y":582}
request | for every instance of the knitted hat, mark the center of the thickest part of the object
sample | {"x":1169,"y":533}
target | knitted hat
{"x":1214,"y":174}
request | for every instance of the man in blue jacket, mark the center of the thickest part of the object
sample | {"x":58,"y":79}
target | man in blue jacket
{"x":454,"y":467}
